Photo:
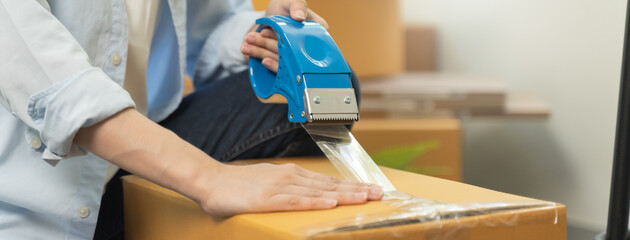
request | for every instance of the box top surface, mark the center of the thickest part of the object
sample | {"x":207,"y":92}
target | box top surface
{"x":285,"y":224}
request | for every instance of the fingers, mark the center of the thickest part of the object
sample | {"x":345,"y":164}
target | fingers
{"x":373,"y":192}
{"x":290,"y":202}
{"x":260,"y":40}
{"x":315,"y":17}
{"x":327,"y":183}
{"x":270,"y":64}
{"x":258,"y":52}
{"x":301,"y":198}
{"x":268,"y":33}
{"x":269,"y":59}
{"x":342,"y":198}
{"x":325,"y":178}
{"x":297,"y":9}
{"x":262,"y":45}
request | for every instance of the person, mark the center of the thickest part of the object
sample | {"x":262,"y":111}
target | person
{"x":67,"y":113}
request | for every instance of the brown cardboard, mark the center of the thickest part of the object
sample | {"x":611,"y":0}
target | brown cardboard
{"x":426,"y":146}
{"x":416,"y":94}
{"x":152,"y":212}
{"x":420,"y":48}
{"x":188,"y":86}
{"x":424,"y":94}
{"x":369,"y":33}
{"x":526,"y":105}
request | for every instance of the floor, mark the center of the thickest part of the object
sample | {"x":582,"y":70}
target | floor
{"x":574,"y":233}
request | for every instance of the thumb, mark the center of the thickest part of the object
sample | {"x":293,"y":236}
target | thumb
{"x":297,"y":9}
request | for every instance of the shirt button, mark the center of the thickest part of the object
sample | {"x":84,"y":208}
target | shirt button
{"x":36,"y":142}
{"x":115,"y":59}
{"x":83,"y":212}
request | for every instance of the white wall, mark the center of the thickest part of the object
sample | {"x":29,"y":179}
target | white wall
{"x":566,"y":51}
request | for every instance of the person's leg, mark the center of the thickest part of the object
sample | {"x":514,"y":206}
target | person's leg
{"x":110,"y":223}
{"x":227,"y":121}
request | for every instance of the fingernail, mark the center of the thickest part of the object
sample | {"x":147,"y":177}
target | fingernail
{"x":376,"y":190}
{"x":360,"y":196}
{"x":250,"y":38}
{"x":300,"y":14}
{"x":265,"y":62}
{"x":330,"y":202}
{"x":245,"y":49}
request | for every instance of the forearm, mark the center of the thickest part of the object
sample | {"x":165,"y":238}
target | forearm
{"x":142,"y":147}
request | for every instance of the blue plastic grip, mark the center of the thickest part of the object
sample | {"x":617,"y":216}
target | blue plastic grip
{"x":308,"y":57}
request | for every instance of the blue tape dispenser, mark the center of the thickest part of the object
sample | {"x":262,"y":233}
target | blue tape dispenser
{"x":312,"y":77}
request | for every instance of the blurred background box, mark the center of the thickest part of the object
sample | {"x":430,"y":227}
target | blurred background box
{"x":368,"y":32}
{"x":434,"y":94}
{"x":426,"y":146}
{"x":417,"y":94}
{"x":420,"y":47}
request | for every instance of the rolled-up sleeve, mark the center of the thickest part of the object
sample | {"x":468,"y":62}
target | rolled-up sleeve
{"x":221,"y":53}
{"x":47,"y":80}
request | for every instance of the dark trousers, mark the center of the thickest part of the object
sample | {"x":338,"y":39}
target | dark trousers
{"x":224,"y":119}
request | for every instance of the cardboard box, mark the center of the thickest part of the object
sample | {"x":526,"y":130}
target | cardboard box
{"x":426,"y":146}
{"x":526,"y":105}
{"x":152,"y":212}
{"x":420,"y":48}
{"x":424,"y":94}
{"x":188,"y":86}
{"x":417,"y":94}
{"x":368,"y":32}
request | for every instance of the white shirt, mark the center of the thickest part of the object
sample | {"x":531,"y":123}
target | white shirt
{"x":62,"y":68}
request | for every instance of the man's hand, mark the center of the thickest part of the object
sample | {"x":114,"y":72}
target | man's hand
{"x":288,"y":187}
{"x":264,"y":44}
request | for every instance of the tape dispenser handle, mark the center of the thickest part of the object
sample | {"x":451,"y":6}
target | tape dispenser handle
{"x":286,"y":86}
{"x":263,"y":80}
{"x":304,"y":48}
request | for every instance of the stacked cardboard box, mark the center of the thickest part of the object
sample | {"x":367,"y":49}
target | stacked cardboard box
{"x":426,"y":146}
{"x":369,"y":33}
{"x":152,"y":212}
{"x":420,"y":48}
{"x":417,"y":94}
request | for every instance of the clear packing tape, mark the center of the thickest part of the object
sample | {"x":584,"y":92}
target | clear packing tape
{"x":449,"y":220}
{"x":347,"y":155}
